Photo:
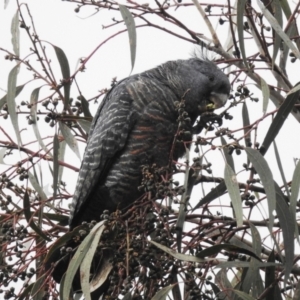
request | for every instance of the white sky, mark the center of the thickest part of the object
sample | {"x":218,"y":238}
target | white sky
{"x":78,"y":34}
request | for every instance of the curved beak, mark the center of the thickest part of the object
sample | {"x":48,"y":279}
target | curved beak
{"x":218,"y":99}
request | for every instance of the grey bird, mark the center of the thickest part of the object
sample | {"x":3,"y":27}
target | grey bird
{"x":134,"y":126}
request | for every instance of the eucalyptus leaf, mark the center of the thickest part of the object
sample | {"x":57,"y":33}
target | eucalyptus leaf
{"x":65,"y":70}
{"x":265,"y":174}
{"x":234,"y":193}
{"x":295,"y":188}
{"x":37,"y":186}
{"x":215,"y":193}
{"x":246,"y":123}
{"x":15,"y":33}
{"x":55,"y":164}
{"x":240,"y":28}
{"x":33,"y":109}
{"x":130,"y":24}
{"x":69,"y":138}
{"x":228,"y":157}
{"x":87,"y":261}
{"x":283,"y":112}
{"x":3,"y":100}
{"x":163,"y":293}
{"x":76,"y":261}
{"x":243,"y":295}
{"x":266,"y":94}
{"x":29,"y":219}
{"x":180,"y":256}
{"x":2,"y":153}
{"x":277,"y":39}
{"x":287,"y":225}
{"x":11,"y":103}
{"x":273,"y":22}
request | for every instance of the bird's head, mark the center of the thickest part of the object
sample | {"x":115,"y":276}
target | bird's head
{"x":207,"y":87}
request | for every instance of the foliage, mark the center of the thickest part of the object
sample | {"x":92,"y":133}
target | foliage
{"x":226,"y":249}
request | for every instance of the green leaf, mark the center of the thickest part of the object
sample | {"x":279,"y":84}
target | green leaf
{"x":38,"y":288}
{"x":253,"y":278}
{"x":188,"y":185}
{"x":62,"y":285}
{"x":234,"y":194}
{"x":3,"y":100}
{"x":246,"y":123}
{"x":127,"y":296}
{"x":51,"y":255}
{"x":61,"y":157}
{"x":273,"y":22}
{"x":213,"y":250}
{"x":15,"y":33}
{"x":77,"y":260}
{"x":240,"y":28}
{"x":286,"y":8}
{"x":85,"y":124}
{"x":2,"y":153}
{"x":85,"y":107}
{"x":11,"y":104}
{"x":270,"y":277}
{"x":256,"y":240}
{"x":228,"y":157}
{"x":87,"y":261}
{"x":287,"y":225}
{"x":245,"y":264}
{"x":296,"y":292}
{"x":69,"y":138}
{"x":25,"y":293}
{"x":262,"y":168}
{"x":215,"y":289}
{"x":28,"y":217}
{"x":266,"y":94}
{"x":278,"y":160}
{"x":291,"y":31}
{"x":33,"y":109}
{"x":295,"y":186}
{"x":277,"y":39}
{"x":173,"y":279}
{"x":37,"y":186}
{"x":243,"y":295}
{"x":215,"y":193}
{"x":65,"y":70}
{"x":222,"y":280}
{"x":55,"y":164}
{"x":280,"y":118}
{"x":163,"y":293}
{"x":177,"y":255}
{"x":62,"y":219}
{"x":237,"y":242}
{"x":73,"y":267}
{"x":130,"y":24}
{"x":105,"y":268}
{"x":295,"y":89}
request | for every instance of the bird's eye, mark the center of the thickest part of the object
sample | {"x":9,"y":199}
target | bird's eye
{"x":211,"y":78}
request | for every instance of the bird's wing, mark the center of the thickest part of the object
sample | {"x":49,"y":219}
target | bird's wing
{"x":109,"y":132}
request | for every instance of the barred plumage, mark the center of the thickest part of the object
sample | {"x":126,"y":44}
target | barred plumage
{"x":135,"y":125}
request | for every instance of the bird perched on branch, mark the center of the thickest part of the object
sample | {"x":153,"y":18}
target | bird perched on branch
{"x":134,"y":126}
